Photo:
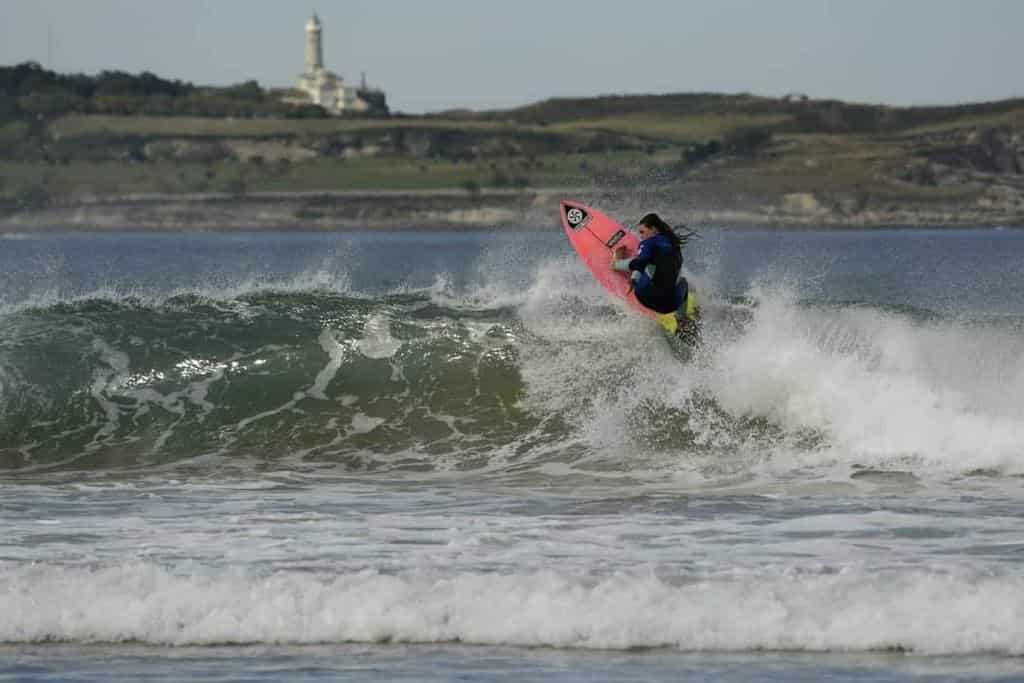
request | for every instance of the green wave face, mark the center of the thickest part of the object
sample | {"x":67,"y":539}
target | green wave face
{"x":395,"y":382}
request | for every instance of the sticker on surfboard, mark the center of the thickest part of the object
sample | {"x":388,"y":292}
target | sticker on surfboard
{"x":616,"y":238}
{"x":576,"y":217}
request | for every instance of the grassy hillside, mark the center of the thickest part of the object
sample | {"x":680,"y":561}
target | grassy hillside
{"x":736,"y":146}
{"x":801,"y":115}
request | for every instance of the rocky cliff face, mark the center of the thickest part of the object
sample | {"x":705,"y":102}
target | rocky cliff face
{"x":990,"y":150}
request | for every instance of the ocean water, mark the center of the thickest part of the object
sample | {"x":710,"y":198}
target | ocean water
{"x":448,"y":456}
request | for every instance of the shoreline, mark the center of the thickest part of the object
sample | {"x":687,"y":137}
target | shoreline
{"x":437,"y":210}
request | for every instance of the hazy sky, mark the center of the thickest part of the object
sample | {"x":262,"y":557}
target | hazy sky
{"x":488,"y":54}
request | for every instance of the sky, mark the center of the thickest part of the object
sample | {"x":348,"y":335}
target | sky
{"x":489,"y":54}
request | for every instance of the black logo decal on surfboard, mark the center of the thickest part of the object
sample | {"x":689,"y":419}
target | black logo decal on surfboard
{"x":616,"y":238}
{"x":576,"y":217}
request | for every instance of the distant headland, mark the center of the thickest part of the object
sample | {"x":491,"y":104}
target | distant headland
{"x":125,"y":151}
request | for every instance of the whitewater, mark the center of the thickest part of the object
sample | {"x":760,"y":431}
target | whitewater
{"x":433,"y":455}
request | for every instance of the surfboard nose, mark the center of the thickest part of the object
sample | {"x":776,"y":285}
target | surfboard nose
{"x":563,"y":208}
{"x":574,"y":214}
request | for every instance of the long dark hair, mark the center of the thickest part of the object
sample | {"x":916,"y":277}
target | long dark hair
{"x":654,"y":221}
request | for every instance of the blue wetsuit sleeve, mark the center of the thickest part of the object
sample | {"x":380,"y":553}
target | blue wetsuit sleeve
{"x":644,"y":257}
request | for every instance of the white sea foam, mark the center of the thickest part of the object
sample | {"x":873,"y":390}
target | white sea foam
{"x":377,"y":342}
{"x":875,"y":388}
{"x":881,"y":388}
{"x":919,"y":611}
{"x":484,"y":295}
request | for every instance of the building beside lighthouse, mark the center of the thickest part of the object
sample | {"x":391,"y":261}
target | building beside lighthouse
{"x":317,"y":85}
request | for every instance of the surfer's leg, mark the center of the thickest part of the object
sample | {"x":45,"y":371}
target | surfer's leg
{"x":688,"y":314}
{"x":642,"y":288}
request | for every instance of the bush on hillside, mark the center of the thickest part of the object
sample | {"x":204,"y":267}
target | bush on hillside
{"x":747,"y":141}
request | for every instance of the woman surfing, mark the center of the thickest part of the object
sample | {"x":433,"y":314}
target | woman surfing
{"x":654,"y":272}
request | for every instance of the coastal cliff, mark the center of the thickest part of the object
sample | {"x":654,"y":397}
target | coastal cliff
{"x":706,"y":158}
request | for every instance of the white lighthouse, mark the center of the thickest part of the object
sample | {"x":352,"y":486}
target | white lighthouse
{"x":326,"y":88}
{"x":314,"y":45}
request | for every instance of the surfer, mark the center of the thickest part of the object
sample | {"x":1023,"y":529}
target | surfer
{"x":655,"y":271}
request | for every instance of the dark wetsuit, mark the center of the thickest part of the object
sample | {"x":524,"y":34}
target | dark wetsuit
{"x":655,"y":274}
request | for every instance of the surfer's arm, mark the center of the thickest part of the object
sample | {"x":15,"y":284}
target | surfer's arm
{"x":621,"y":265}
{"x":644,"y":257}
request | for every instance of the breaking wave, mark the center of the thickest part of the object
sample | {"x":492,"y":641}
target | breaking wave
{"x":504,"y":378}
{"x":919,"y":611}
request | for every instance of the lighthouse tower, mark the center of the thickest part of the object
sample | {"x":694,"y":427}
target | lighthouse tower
{"x":317,"y":85}
{"x":314,"y":46}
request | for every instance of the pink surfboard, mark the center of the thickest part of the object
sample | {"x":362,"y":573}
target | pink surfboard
{"x":594,"y":236}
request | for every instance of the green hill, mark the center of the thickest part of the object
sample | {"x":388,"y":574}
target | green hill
{"x":62,"y":140}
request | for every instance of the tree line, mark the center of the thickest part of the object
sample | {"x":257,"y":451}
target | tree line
{"x":28,"y":91}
